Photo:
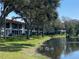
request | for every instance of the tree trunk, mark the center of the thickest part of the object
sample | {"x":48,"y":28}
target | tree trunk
{"x":27,"y":34}
{"x":42,"y":33}
{"x":37,"y":31}
{"x":5,"y":30}
{"x":30,"y":32}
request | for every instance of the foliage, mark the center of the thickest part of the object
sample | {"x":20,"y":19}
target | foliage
{"x":71,"y":26}
{"x":35,"y":13}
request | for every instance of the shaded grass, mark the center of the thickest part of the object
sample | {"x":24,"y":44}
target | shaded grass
{"x":19,"y":38}
{"x":14,"y":47}
{"x":22,"y":49}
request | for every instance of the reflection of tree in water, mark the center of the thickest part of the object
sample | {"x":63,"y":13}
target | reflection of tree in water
{"x":52,"y":48}
{"x":72,"y":45}
{"x":68,"y":39}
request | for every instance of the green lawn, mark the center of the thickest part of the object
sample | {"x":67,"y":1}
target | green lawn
{"x":23,"y":49}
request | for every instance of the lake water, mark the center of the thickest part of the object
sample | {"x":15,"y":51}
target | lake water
{"x":71,"y":51}
{"x":60,"y":49}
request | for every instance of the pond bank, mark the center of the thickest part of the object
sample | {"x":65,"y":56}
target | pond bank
{"x":23,"y":49}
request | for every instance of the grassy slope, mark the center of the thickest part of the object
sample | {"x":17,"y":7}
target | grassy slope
{"x":23,"y":49}
{"x":25,"y":52}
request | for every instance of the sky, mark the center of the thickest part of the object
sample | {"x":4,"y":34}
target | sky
{"x":13,"y":14}
{"x":69,"y":8}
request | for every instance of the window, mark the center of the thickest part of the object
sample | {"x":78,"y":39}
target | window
{"x":7,"y":25}
{"x":25,"y":26}
{"x":20,"y":32}
{"x":14,"y":26}
{"x":20,"y":26}
{"x":16,"y":32}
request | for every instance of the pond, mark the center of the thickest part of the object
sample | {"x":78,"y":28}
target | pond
{"x":57,"y":48}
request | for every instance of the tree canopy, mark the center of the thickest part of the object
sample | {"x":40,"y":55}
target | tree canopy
{"x":34,"y":12}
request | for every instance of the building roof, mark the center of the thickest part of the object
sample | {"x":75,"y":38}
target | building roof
{"x":15,"y":21}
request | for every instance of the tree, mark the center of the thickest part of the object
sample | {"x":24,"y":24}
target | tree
{"x":8,"y":6}
{"x":40,"y":11}
{"x":71,"y":26}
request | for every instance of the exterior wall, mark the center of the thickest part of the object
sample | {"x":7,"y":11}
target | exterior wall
{"x":13,"y":31}
{"x":23,"y":28}
{"x":16,"y":31}
{"x":2,"y":32}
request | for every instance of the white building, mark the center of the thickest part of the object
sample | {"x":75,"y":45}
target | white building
{"x":13,"y":28}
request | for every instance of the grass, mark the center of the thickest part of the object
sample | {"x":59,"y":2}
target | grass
{"x":58,"y":36}
{"x":24,"y":49}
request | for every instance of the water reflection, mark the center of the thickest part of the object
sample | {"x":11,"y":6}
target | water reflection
{"x":72,"y":49}
{"x":52,"y":48}
{"x":72,"y":55}
{"x":60,"y":48}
